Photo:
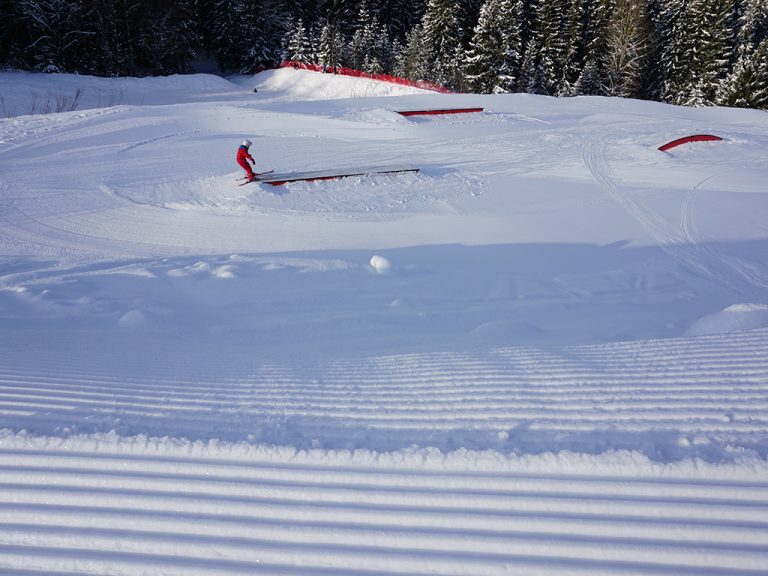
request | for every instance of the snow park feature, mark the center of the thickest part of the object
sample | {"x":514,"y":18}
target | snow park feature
{"x":688,"y":139}
{"x":438,"y":111}
{"x":345,"y":71}
{"x":288,"y":177}
{"x":544,"y":353}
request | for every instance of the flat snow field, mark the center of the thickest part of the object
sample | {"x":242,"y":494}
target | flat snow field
{"x":544,"y":353}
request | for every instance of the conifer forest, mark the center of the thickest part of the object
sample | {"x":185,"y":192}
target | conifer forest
{"x":688,"y":52}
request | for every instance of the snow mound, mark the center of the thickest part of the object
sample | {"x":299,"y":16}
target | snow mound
{"x":31,"y":93}
{"x":733,"y":318}
{"x":289,"y":84}
{"x":132,"y":319}
{"x":374,"y":116}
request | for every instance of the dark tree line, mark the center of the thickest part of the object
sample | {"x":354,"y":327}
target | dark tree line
{"x":691,"y":52}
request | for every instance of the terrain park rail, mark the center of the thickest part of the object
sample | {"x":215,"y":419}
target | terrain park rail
{"x":436,"y":111}
{"x":280,"y":179}
{"x":687,"y":139}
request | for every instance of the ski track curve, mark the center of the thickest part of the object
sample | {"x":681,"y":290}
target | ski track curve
{"x":103,"y":503}
{"x":687,"y":224}
{"x":681,"y":244}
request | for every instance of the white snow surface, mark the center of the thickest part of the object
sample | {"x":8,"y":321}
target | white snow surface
{"x":544,"y":353}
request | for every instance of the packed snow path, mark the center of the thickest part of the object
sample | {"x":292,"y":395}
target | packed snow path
{"x":686,"y":398}
{"x":545,"y":353}
{"x":120,"y":497}
{"x":138,"y":508}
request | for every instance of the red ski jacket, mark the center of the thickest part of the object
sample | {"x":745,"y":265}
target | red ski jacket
{"x":243,"y":155}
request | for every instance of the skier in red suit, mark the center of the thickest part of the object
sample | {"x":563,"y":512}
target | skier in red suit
{"x":243,"y":157}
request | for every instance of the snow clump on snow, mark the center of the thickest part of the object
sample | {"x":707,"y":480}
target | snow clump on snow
{"x":381,"y":265}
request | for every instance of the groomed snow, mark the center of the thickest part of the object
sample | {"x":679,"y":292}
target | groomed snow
{"x":544,"y":353}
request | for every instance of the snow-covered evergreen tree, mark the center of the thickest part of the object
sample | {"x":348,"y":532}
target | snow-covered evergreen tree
{"x":485,"y":54}
{"x":369,"y":48}
{"x":224,"y":42}
{"x":628,"y":44}
{"x":574,"y":29}
{"x":111,"y":50}
{"x":298,"y":48}
{"x":442,"y":35}
{"x":714,"y":54}
{"x":413,"y":58}
{"x":674,"y":53}
{"x":493,"y":58}
{"x":469,"y":15}
{"x":653,"y":83}
{"x":400,"y":16}
{"x":169,"y":39}
{"x":331,"y":45}
{"x":698,"y":49}
{"x":338,"y":14}
{"x":586,"y":46}
{"x":591,"y":81}
{"x":398,"y":59}
{"x":747,"y":84}
{"x":532,"y":76}
{"x":57,"y":33}
{"x":759,"y":97}
{"x":753,"y":27}
{"x":544,"y":58}
{"x":380,"y":58}
{"x":258,"y":44}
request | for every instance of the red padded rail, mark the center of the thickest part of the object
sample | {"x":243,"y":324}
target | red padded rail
{"x":439,"y":111}
{"x":686,"y":139}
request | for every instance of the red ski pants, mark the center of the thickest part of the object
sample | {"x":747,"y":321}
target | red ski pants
{"x":247,"y":167}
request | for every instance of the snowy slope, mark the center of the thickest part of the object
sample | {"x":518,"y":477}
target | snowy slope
{"x":545,"y":353}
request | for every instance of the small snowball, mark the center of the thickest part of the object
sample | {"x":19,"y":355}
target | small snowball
{"x":380,"y":264}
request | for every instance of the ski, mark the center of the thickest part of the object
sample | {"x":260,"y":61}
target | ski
{"x":256,"y":174}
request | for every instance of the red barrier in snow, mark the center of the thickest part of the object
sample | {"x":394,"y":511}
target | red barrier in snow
{"x":344,"y":71}
{"x":439,"y":111}
{"x":686,"y":139}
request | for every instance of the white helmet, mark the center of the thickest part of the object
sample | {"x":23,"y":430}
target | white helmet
{"x":247,"y":143}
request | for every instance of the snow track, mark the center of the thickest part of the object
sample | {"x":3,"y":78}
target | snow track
{"x":119,"y":511}
{"x":679,"y":242}
{"x":697,"y":397}
{"x":120,"y":504}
